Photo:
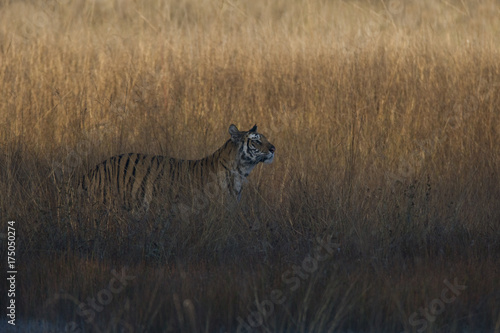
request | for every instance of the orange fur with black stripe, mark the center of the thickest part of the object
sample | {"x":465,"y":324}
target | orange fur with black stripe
{"x":135,"y":180}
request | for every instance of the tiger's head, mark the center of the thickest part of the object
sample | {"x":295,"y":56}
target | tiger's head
{"x":253,"y":147}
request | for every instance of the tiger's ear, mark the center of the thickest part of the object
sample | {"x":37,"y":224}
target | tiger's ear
{"x":235,"y":133}
{"x":254,"y":128}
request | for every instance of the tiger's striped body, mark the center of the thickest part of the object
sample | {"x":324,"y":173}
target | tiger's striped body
{"x":135,"y":180}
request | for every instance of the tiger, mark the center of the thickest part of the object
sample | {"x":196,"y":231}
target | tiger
{"x":134,"y":180}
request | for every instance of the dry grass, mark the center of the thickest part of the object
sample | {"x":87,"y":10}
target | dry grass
{"x":386,"y":119}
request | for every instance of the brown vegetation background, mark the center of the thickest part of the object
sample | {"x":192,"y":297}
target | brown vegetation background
{"x":386,"y":119}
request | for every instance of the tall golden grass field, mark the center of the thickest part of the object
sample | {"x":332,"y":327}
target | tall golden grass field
{"x":379,"y":213}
